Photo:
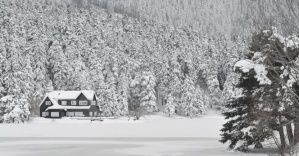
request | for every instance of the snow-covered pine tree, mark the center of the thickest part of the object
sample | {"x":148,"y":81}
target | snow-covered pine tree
{"x":260,"y":109}
{"x":14,"y":109}
{"x":17,"y":84}
{"x":78,"y":80}
{"x":170,"y":106}
{"x":174,"y":80}
{"x":122,"y":91}
{"x":202,"y":101}
{"x":276,"y":57}
{"x":240,"y":130}
{"x":135,"y":109}
{"x":2,"y":64}
{"x":190,"y":104}
{"x":147,"y":92}
{"x":16,"y":72}
{"x":57,"y":67}
{"x":111,"y":106}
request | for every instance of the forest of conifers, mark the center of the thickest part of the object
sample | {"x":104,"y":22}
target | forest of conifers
{"x":175,"y":56}
{"x":58,"y":45}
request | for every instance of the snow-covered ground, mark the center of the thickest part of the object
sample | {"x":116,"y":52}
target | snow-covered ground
{"x":155,"y":135}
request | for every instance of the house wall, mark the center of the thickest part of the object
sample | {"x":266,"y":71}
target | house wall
{"x":62,"y":113}
{"x":81,"y":97}
{"x":85,"y":111}
{"x":68,"y":102}
{"x":43,"y":106}
{"x":95,"y":108}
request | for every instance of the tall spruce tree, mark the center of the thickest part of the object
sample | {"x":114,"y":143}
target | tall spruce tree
{"x":268,"y":102}
{"x":241,"y":130}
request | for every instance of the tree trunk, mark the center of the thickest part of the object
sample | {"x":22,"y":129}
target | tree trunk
{"x":290,"y":134}
{"x":296,"y":130}
{"x":282,"y":139}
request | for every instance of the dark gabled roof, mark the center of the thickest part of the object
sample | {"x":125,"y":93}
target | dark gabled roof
{"x":54,"y":96}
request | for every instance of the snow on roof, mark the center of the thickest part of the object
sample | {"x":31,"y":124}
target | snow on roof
{"x":54,"y":96}
{"x":88,"y":94}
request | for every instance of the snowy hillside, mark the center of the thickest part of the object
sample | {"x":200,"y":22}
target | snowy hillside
{"x":53,"y":45}
{"x":174,"y":62}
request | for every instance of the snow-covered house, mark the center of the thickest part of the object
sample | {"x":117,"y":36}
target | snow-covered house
{"x":58,"y":104}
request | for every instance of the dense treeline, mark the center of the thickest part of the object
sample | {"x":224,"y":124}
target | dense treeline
{"x":46,"y":45}
{"x":211,"y":17}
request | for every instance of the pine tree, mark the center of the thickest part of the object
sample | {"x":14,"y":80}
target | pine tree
{"x":135,"y":108}
{"x":170,"y":106}
{"x":58,"y":68}
{"x":241,"y":130}
{"x":147,"y":92}
{"x":17,"y":83}
{"x":14,"y":109}
{"x":264,"y":105}
{"x":190,"y":103}
{"x":2,"y":65}
{"x":122,"y":89}
{"x":111,"y":106}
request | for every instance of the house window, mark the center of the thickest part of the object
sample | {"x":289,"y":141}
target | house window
{"x":74,"y":103}
{"x":79,"y":114}
{"x":54,"y":114}
{"x":90,"y":114}
{"x":70,"y":114}
{"x":82,"y":102}
{"x":45,"y":114}
{"x":48,"y":102}
{"x":93,"y":102}
{"x":63,"y":102}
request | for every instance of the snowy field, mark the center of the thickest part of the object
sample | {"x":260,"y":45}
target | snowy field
{"x":155,"y":135}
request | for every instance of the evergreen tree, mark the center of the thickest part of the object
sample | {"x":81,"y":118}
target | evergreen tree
{"x":147,"y":92}
{"x":190,"y":103}
{"x":111,"y":105}
{"x":122,"y":89}
{"x":241,"y":130}
{"x":135,"y":108}
{"x":57,"y":67}
{"x":264,"y":105}
{"x":170,"y":106}
{"x":14,"y":109}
